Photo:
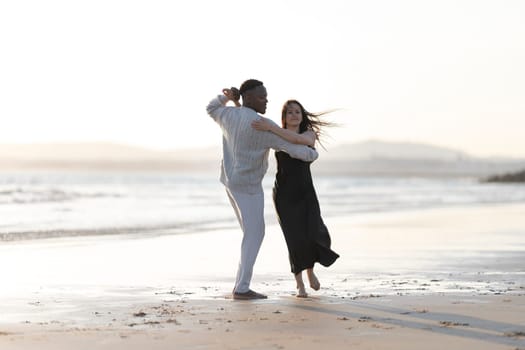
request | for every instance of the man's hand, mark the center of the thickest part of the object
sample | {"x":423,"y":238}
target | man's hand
{"x":233,"y":95}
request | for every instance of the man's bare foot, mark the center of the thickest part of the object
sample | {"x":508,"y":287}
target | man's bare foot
{"x":314,"y":282}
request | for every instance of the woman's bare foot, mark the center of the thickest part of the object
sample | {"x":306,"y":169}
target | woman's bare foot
{"x":314,"y":282}
{"x":301,"y":290}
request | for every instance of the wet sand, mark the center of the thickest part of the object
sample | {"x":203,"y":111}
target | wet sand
{"x":430,"y":279}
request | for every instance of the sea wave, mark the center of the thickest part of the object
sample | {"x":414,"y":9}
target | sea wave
{"x":39,"y":206}
{"x":147,"y":230}
{"x":26,"y":195}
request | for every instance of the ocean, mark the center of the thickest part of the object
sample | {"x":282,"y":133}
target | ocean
{"x":65,"y":204}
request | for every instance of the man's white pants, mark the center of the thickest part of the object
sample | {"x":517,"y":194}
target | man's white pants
{"x":249,"y":209}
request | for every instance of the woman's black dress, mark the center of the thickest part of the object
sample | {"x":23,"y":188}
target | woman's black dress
{"x":299,"y":215}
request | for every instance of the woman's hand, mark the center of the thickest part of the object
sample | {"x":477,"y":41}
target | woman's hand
{"x":233,"y":95}
{"x":262,"y":124}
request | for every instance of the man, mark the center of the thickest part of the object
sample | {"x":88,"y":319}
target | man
{"x":244,"y":163}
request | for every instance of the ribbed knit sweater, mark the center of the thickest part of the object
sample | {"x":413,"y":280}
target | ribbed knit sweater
{"x":245,"y":150}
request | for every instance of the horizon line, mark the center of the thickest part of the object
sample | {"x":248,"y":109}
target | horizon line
{"x":218,"y":146}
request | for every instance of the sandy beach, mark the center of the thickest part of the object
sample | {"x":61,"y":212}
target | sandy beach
{"x":451,"y":277}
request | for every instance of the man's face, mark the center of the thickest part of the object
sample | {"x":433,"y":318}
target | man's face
{"x":258,"y":99}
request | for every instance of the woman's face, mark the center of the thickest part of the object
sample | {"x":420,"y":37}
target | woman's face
{"x":293,"y":116}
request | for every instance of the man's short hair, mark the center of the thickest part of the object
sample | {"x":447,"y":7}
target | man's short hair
{"x":249,"y":84}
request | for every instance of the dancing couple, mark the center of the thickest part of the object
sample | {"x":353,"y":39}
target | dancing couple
{"x":247,"y":139}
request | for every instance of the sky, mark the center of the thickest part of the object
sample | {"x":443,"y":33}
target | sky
{"x":447,"y":73}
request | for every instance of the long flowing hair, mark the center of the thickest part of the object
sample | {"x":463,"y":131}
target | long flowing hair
{"x":310,"y":121}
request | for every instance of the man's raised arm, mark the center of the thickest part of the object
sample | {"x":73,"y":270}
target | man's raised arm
{"x":216,"y":107}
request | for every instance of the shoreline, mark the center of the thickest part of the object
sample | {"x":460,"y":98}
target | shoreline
{"x":231,"y":225}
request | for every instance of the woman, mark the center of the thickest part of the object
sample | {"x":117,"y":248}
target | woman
{"x":295,"y":200}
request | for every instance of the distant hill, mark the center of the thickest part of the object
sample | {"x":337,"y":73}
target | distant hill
{"x":74,"y":151}
{"x":394,"y":150}
{"x":363,"y":158}
{"x":104,"y":156}
{"x":405,"y":158}
{"x":97,"y":151}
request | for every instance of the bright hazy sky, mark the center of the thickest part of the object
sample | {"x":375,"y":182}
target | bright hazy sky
{"x":448,"y":73}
